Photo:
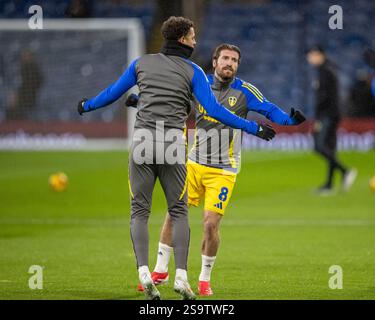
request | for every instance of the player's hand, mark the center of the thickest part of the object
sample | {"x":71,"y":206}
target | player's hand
{"x":266,"y":132}
{"x":132,"y":100}
{"x":297,"y":116}
{"x":80,"y":108}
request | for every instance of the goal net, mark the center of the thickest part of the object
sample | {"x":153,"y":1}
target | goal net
{"x":44,"y":73}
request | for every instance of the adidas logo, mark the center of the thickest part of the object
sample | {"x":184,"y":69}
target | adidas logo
{"x":160,"y":253}
{"x":219,"y":205}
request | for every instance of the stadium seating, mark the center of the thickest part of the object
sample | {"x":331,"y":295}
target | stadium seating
{"x":56,"y":9}
{"x":78,"y":68}
{"x":274,"y":35}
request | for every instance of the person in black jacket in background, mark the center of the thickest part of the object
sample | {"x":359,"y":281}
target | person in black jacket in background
{"x":327,"y":118}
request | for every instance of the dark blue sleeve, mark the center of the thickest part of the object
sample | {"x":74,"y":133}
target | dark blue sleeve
{"x":115,"y":90}
{"x":203,"y":93}
{"x":256,"y":102}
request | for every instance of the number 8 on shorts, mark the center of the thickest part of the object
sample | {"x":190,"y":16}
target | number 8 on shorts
{"x":223,"y":194}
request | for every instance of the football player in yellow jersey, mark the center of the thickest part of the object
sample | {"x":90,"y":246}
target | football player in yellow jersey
{"x":213,"y":166}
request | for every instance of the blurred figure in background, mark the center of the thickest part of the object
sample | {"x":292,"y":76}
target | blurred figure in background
{"x":361,"y":100}
{"x":327,"y":118}
{"x":369,"y":56}
{"x":24,"y":101}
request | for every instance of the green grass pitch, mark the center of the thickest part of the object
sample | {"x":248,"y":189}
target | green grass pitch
{"x":278,"y":239}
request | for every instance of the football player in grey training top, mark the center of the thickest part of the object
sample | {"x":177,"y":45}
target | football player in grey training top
{"x":166,"y":82}
{"x":214,"y":160}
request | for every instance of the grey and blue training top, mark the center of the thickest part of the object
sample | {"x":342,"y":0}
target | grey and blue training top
{"x":167,"y":84}
{"x":239,"y":97}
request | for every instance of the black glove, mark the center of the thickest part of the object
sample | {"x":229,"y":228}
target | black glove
{"x":265,"y":132}
{"x":132,"y":100}
{"x":80,"y":106}
{"x":297,"y":116}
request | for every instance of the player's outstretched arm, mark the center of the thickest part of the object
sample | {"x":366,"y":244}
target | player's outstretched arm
{"x":258,"y":103}
{"x":205,"y":96}
{"x":296,"y":116}
{"x":112,"y":93}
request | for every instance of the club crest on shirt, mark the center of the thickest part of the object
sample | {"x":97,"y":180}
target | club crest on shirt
{"x":232,"y":101}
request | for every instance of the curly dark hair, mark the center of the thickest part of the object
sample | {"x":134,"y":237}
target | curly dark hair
{"x":176,"y":27}
{"x":226,"y":46}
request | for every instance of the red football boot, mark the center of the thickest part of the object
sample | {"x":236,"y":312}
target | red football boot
{"x":157,"y":278}
{"x":204,"y":288}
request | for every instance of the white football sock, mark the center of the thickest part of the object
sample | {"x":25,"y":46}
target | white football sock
{"x":182,"y":274}
{"x":164,"y":253}
{"x":144,"y":274}
{"x":207,"y":265}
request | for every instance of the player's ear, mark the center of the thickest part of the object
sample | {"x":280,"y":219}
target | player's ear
{"x":214,"y":63}
{"x":182,"y":40}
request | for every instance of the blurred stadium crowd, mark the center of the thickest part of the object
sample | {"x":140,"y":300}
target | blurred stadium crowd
{"x":273,"y":36}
